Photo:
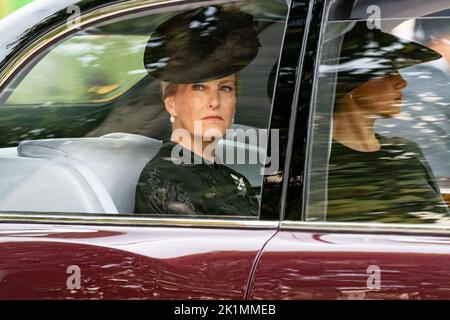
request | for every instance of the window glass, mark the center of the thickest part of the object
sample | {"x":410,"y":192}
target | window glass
{"x":380,"y":139}
{"x":79,"y":70}
{"x":154,"y":113}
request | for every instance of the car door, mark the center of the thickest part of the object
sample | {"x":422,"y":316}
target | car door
{"x":73,"y":112}
{"x":322,"y":253}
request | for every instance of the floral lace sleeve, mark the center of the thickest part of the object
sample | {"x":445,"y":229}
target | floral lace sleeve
{"x":160,"y":196}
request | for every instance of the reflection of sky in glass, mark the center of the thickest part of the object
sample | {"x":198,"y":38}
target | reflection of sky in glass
{"x":356,"y":66}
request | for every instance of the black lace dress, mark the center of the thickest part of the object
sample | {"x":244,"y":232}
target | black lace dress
{"x":193,"y":187}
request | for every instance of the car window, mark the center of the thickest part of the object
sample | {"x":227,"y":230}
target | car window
{"x":85,"y":122}
{"x":80,"y":72}
{"x":379,"y":146}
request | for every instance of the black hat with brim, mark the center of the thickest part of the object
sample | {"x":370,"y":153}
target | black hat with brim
{"x":202,"y":44}
{"x":368,"y":53}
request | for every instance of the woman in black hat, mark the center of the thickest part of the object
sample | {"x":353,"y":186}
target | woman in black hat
{"x":195,"y":55}
{"x":372,"y":177}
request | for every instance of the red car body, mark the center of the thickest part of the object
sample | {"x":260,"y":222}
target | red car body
{"x":201,"y":263}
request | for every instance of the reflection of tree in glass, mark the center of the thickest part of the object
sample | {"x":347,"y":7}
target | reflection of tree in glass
{"x":69,"y":73}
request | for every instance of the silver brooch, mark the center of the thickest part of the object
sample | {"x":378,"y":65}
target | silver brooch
{"x":239,"y":182}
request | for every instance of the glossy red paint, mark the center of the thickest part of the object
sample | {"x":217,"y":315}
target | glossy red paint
{"x":126,"y":262}
{"x":308,"y":265}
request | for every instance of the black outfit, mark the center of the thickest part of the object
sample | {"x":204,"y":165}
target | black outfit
{"x":192,"y":188}
{"x":394,"y":184}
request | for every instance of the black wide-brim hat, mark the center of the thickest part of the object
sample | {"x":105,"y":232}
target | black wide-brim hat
{"x":368,"y":53}
{"x":202,"y":44}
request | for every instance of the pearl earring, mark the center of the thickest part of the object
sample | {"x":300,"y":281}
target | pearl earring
{"x":172,"y":119}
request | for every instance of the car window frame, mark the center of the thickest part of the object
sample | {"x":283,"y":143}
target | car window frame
{"x":270,"y":219}
{"x":297,"y":183}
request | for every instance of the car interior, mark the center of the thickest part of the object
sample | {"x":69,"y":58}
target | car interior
{"x":93,"y":167}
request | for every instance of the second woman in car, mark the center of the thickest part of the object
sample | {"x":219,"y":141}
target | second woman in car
{"x":374,"y":177}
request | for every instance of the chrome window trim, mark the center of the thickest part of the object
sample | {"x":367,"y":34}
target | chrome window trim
{"x":97,"y":15}
{"x":134,"y":220}
{"x":364,"y":227}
